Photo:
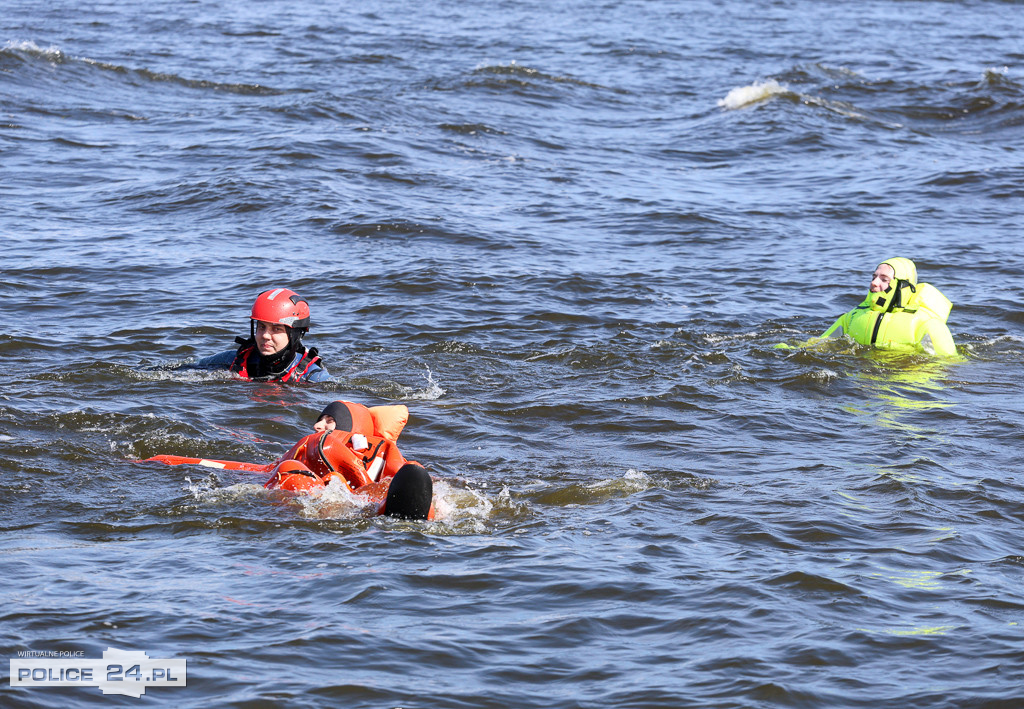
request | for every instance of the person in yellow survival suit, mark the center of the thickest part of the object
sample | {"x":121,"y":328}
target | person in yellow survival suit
{"x":899,"y":313}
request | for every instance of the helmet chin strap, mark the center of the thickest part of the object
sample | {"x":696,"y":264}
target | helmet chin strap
{"x":276,"y":363}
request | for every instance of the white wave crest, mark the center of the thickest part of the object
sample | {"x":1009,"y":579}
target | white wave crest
{"x":631,"y":481}
{"x":746,"y":95}
{"x":30,"y":47}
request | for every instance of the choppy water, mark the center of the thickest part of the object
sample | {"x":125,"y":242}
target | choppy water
{"x":568,"y":236}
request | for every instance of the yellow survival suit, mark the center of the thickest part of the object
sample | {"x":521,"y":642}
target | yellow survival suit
{"x":908,"y":316}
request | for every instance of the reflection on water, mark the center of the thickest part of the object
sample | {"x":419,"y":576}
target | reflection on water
{"x":900,"y":391}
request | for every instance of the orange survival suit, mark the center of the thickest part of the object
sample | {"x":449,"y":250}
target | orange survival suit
{"x":362,"y":448}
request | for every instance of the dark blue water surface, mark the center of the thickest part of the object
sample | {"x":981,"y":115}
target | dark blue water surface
{"x":568,"y":236}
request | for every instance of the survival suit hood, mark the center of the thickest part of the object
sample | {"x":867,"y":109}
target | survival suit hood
{"x":902,"y":288}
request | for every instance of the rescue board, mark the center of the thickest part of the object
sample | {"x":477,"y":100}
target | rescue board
{"x":209,"y":463}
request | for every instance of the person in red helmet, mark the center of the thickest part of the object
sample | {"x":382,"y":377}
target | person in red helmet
{"x":274,"y":350}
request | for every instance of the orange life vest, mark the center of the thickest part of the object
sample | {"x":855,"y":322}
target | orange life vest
{"x":240,"y":364}
{"x":365,"y":454}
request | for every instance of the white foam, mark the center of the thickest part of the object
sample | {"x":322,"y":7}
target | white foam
{"x":336,"y":501}
{"x":207,"y":491}
{"x":30,"y":47}
{"x":631,"y":481}
{"x":746,"y":95}
{"x":452,"y":504}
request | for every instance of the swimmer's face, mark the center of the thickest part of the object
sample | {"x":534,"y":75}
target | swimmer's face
{"x":270,"y":337}
{"x":326,"y":423}
{"x":882,"y":278}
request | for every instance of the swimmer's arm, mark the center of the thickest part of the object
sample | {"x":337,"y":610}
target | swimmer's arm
{"x":319,"y":375}
{"x":221,"y":360}
{"x":937,"y":340}
{"x":835,"y":331}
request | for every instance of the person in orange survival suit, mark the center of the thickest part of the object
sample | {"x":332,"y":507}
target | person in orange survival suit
{"x":358,"y":445}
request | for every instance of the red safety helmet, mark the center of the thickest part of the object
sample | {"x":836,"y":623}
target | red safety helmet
{"x":282,"y":306}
